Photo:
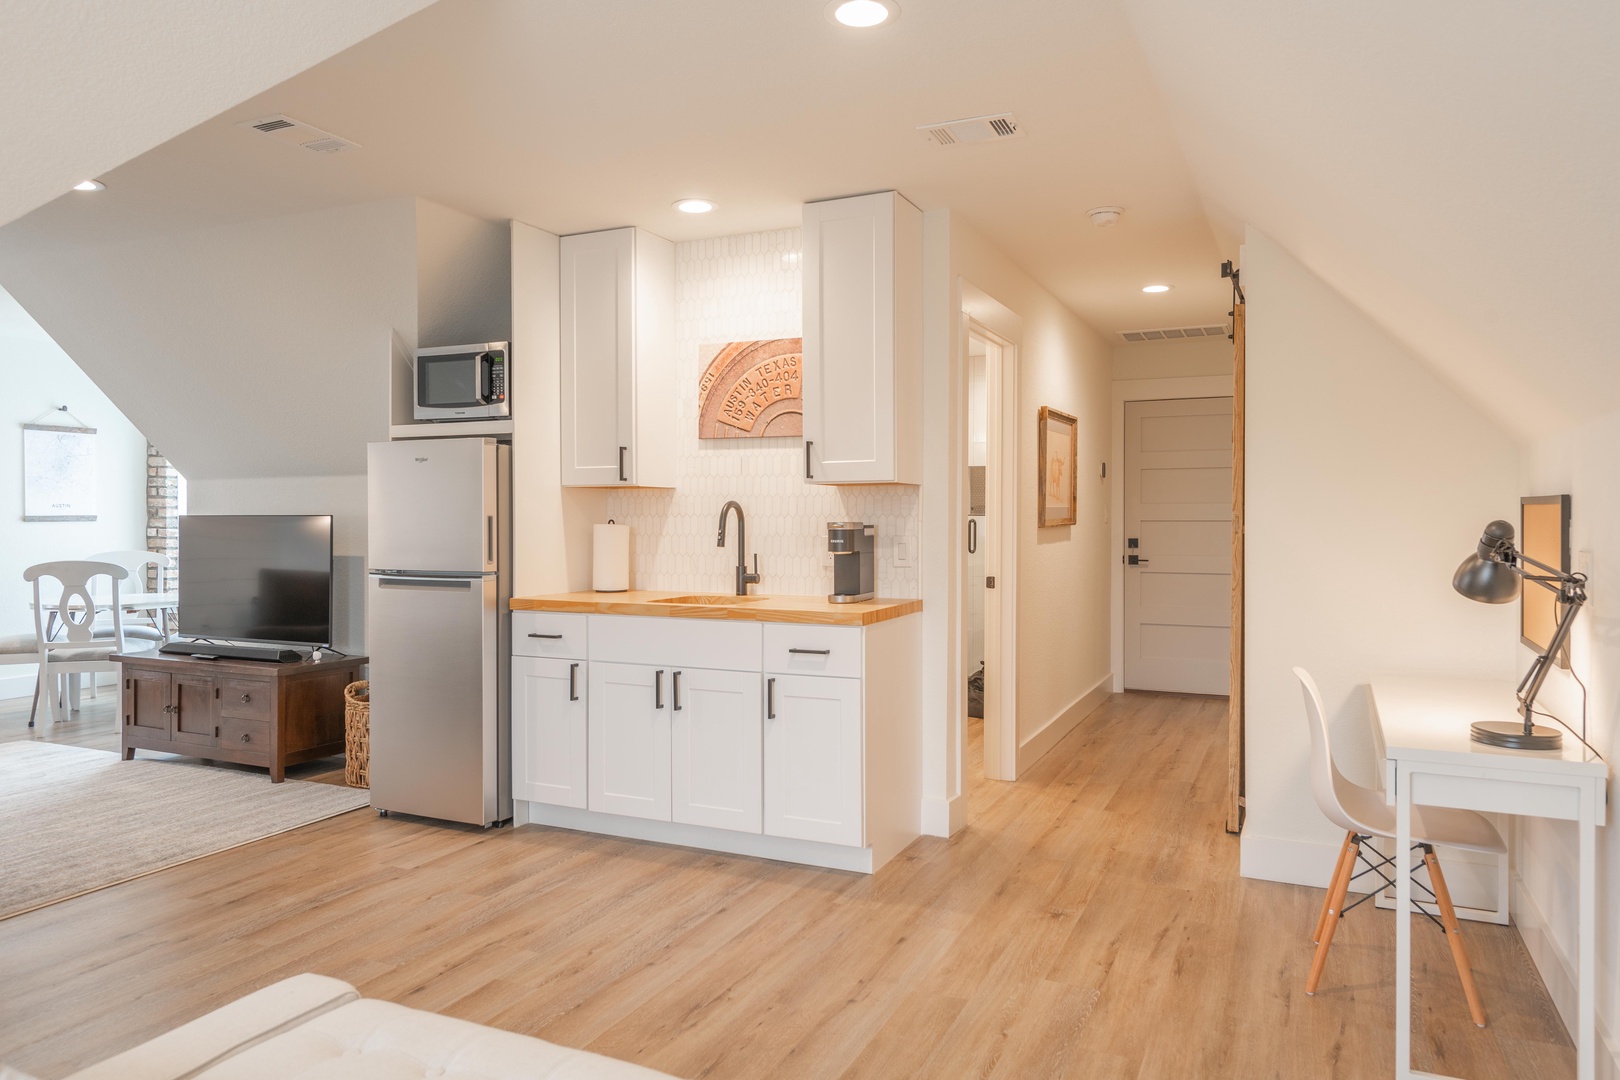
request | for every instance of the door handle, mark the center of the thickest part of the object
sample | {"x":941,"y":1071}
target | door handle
{"x":675,"y":687}
{"x":573,"y":682}
{"x":973,"y":536}
{"x":1136,"y":560}
{"x":548,"y":637}
{"x":658,"y":689}
{"x":622,"y":477}
{"x":807,"y":445}
{"x":770,"y":699}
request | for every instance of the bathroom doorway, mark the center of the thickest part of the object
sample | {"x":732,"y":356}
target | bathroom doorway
{"x":988,"y":720}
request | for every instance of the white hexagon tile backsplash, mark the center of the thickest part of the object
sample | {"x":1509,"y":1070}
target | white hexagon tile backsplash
{"x":743,"y":288}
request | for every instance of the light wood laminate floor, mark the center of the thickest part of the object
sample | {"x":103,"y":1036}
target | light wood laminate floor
{"x":1089,"y":922}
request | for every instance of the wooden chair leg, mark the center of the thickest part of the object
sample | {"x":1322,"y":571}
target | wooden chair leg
{"x":1448,"y":919}
{"x":1335,"y":908}
{"x":1333,"y":883}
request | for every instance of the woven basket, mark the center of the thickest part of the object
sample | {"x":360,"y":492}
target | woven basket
{"x":357,"y":734}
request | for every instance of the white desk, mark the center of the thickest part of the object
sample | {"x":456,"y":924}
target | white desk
{"x":1430,"y":760}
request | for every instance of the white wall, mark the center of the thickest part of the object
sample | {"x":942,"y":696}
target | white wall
{"x":463,"y":277}
{"x":1585,"y":464}
{"x":744,"y":288}
{"x":1173,"y":359}
{"x":1368,"y":480}
{"x":80,"y":95}
{"x":37,"y":376}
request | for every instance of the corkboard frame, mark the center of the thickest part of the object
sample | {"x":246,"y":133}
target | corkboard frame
{"x":1047,"y":515}
{"x":1544,"y":536}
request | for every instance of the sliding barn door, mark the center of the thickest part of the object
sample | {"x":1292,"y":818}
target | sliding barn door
{"x":1234,"y":748}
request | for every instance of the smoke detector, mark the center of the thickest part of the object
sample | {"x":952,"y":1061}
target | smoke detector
{"x":973,"y":129}
{"x":297,"y":133}
{"x":1103,"y":216}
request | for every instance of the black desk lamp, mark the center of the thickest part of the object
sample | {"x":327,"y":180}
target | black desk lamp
{"x":1492,"y":576}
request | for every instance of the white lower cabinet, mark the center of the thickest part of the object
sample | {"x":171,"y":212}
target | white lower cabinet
{"x":813,"y":775}
{"x":548,"y":730}
{"x":715,"y":733}
{"x":629,"y":740}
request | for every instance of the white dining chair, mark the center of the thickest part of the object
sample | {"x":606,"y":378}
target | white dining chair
{"x":75,"y":649}
{"x":1363,"y":814}
{"x":136,"y":563}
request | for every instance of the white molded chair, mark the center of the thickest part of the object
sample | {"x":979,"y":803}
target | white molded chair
{"x":78,"y":651}
{"x":136,"y":563}
{"x":1363,"y":814}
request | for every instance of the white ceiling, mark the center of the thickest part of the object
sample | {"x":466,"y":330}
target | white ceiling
{"x":1449,"y":166}
{"x":575,"y":116}
{"x":85,"y":88}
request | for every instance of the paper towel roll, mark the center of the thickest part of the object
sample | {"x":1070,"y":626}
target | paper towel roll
{"x":610,"y":558}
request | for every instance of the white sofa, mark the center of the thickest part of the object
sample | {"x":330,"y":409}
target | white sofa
{"x":310,"y":1027}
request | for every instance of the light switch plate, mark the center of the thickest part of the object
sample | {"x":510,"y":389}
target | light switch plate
{"x":905,"y":553}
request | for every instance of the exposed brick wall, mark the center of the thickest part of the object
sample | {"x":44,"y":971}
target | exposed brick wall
{"x":162,"y":514}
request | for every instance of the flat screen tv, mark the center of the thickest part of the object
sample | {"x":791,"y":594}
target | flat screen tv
{"x":259,"y":578}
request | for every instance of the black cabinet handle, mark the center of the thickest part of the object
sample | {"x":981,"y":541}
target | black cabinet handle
{"x":622,"y":477}
{"x":573,"y":682}
{"x":770,"y":699}
{"x":548,"y":637}
{"x":675,"y":681}
{"x":658,"y":689}
{"x":807,"y":445}
{"x":812,"y":652}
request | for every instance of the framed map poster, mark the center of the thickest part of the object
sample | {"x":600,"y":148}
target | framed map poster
{"x":59,"y":473}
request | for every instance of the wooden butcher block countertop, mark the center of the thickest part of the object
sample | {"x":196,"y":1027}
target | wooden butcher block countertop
{"x":764,"y":608}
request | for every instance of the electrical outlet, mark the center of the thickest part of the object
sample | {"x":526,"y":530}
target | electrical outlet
{"x":905,"y":553}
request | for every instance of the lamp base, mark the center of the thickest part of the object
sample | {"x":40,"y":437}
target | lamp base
{"x":1511,"y":735}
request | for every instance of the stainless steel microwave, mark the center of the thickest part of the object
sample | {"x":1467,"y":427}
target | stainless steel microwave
{"x":463,"y":382}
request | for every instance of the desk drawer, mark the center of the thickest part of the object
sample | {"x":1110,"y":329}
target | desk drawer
{"x":548,"y":633}
{"x":794,"y":649}
{"x":244,"y":736}
{"x":246,"y":699}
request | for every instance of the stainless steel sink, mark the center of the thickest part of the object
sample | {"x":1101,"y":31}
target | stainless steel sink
{"x":709,"y":600}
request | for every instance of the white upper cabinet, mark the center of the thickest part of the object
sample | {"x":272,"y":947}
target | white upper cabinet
{"x":618,"y":359}
{"x":863,"y":340}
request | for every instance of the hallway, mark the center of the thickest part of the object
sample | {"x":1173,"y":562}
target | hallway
{"x":1089,"y":922}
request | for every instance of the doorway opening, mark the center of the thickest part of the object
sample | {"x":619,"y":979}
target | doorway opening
{"x":986,"y":666}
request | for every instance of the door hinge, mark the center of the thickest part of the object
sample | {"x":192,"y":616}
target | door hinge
{"x":989,"y":582}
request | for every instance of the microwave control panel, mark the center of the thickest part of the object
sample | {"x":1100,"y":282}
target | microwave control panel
{"x":497,"y":376}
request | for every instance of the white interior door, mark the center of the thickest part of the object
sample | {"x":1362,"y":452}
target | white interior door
{"x":1178,"y":514}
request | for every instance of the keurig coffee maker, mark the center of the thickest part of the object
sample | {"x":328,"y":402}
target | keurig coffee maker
{"x":854,"y":548}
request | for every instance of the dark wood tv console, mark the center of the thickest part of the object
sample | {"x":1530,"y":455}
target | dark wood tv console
{"x":248,"y":711}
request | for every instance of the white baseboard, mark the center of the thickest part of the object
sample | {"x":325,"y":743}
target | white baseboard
{"x":1036,"y":746}
{"x":1472,"y":877}
{"x":1559,"y":974}
{"x":22,"y":686}
{"x":944,"y":817}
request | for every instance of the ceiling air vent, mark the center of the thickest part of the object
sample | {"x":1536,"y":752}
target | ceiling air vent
{"x":1170,"y":333}
{"x":974,"y":129}
{"x":297,"y":133}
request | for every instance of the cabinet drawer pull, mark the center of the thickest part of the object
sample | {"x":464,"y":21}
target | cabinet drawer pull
{"x":246,"y":737}
{"x":675,"y":683}
{"x":573,"y":682}
{"x":770,"y":699}
{"x":658,"y":689}
{"x":548,"y":637}
{"x":246,"y":698}
{"x":812,"y":652}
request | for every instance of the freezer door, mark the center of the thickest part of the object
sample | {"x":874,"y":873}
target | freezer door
{"x":431,"y":506}
{"x":435,"y":696}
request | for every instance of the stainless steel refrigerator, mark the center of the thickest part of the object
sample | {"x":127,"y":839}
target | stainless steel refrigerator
{"x":438,"y":582}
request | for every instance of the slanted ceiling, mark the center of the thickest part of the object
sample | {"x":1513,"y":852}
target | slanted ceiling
{"x":1449,"y":167}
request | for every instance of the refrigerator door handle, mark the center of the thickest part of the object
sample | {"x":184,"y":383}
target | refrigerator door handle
{"x":430,"y":582}
{"x":489,"y":538}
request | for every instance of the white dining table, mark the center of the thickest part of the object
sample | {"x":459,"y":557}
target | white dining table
{"x":1430,"y":760}
{"x":159,"y":604}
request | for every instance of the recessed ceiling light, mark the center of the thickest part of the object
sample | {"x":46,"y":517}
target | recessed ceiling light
{"x":694,"y":206}
{"x":862,"y":14}
{"x":1155,"y":288}
{"x":90,"y":185}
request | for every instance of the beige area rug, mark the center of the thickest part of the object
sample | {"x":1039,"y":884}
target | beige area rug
{"x":74,"y":820}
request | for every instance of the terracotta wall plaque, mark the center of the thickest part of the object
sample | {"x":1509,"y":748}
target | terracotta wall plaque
{"x":751,"y":389}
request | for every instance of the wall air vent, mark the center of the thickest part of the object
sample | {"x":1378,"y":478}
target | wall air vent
{"x":297,"y":133}
{"x":974,"y":129}
{"x":1171,"y":333}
